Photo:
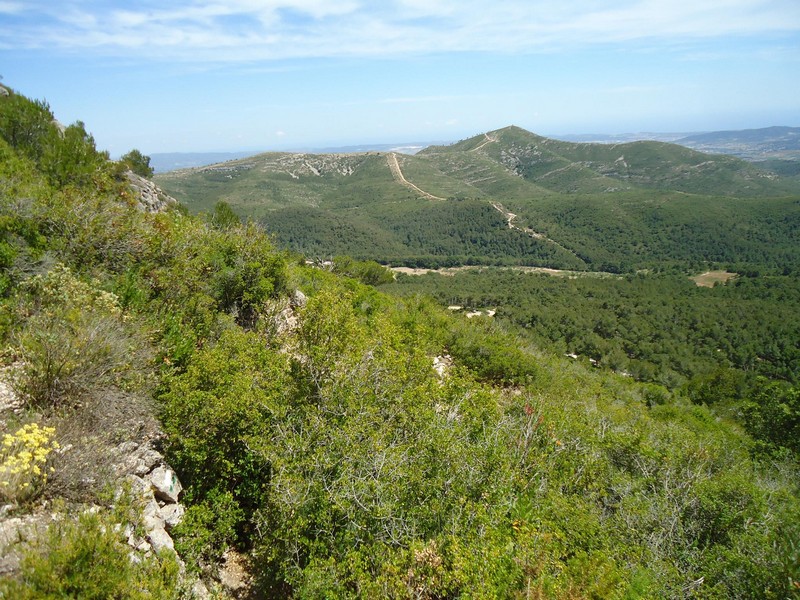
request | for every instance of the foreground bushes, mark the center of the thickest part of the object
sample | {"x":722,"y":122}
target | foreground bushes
{"x":89,"y":559}
{"x":349,"y":470}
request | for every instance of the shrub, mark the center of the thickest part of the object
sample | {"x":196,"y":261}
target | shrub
{"x":137,"y":162}
{"x":73,"y":339}
{"x":245,"y":271}
{"x":773,"y":415}
{"x":492,"y":354}
{"x":88,"y":559}
{"x":208,"y":529}
{"x":218,"y":415}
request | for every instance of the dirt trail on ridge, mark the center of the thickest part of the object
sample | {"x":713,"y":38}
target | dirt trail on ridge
{"x":394,"y":167}
{"x":489,"y":140}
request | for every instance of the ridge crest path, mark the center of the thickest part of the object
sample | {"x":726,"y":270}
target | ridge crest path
{"x":394,"y":167}
{"x":489,"y":140}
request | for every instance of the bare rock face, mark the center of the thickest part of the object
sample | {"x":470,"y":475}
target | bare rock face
{"x":151,"y":198}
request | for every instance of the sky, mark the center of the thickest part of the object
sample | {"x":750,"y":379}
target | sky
{"x":214,"y":75}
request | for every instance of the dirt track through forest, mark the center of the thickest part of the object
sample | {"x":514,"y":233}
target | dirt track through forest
{"x":534,"y":234}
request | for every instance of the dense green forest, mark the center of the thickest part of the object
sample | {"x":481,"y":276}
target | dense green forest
{"x":658,"y":327}
{"x":313,"y":434}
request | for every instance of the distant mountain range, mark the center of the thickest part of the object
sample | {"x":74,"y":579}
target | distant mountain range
{"x":510,"y":197}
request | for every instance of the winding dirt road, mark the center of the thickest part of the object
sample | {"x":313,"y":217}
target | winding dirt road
{"x":397,"y":174}
{"x":489,"y":140}
{"x":394,"y":167}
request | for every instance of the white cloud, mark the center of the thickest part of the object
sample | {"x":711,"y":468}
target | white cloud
{"x":11,"y":8}
{"x":252,"y":30}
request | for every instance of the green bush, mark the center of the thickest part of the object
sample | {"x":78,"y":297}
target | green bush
{"x":89,"y":559}
{"x":772,"y":415}
{"x":208,"y":529}
{"x":231,"y":393}
{"x":137,"y":162}
{"x":492,"y":354}
{"x":73,"y":340}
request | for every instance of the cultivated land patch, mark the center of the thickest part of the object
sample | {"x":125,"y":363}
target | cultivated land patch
{"x":710,"y":278}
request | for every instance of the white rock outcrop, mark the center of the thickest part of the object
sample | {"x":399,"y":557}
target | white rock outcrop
{"x":151,"y":198}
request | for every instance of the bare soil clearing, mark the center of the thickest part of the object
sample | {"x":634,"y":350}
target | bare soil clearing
{"x":710,"y":278}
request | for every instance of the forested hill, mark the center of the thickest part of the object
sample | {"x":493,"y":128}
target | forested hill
{"x":511,"y":197}
{"x":333,"y":441}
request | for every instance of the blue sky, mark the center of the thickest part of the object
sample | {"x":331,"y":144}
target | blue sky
{"x":211,"y":75}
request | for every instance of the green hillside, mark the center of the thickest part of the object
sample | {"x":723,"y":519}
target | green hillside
{"x":336,"y":441}
{"x":574,"y":168}
{"x":618,"y":207}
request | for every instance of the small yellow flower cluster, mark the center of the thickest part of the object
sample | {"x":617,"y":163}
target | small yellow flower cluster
{"x":23,"y":460}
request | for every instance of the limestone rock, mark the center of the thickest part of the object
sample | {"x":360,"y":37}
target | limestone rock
{"x":151,"y":197}
{"x":172,"y":514}
{"x":299,"y":299}
{"x":165,"y":484}
{"x":151,"y":516}
{"x":199,"y":590}
{"x":146,"y":461}
{"x":159,"y":539}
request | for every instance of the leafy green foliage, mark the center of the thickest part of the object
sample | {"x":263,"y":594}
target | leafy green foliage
{"x":367,"y":272}
{"x":66,"y":155}
{"x":773,"y":414}
{"x":209,"y":528}
{"x":224,"y":216}
{"x":492,"y":354}
{"x":27,"y":125}
{"x":229,"y":391}
{"x":137,"y":162}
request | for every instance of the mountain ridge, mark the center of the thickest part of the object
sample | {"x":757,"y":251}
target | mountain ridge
{"x":377,"y":205}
